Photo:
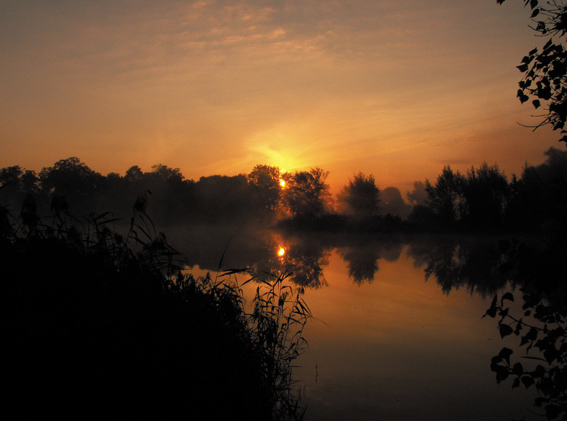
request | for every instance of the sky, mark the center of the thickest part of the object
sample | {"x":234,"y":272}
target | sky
{"x":396,"y":89}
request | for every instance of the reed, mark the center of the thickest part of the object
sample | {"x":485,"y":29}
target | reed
{"x":276,"y":323}
{"x":95,"y":319}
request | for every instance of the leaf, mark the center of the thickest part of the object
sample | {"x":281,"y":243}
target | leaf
{"x":536,"y":103}
{"x":539,"y":371}
{"x":505,"y":330}
{"x":491,"y":312}
{"x":523,"y":97}
{"x":505,"y":354}
{"x":527,"y":381}
{"x":535,"y":13}
{"x":502,"y":374}
{"x":507,"y":296}
{"x":522,"y":67}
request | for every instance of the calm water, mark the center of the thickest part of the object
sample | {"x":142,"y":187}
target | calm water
{"x":386,"y":344}
{"x":399,"y":348}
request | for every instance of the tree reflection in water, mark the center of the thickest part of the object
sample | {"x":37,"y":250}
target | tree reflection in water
{"x":485,"y":267}
{"x":456,"y":263}
{"x":362,"y":263}
{"x":304,"y":260}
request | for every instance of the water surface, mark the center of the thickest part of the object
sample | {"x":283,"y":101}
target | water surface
{"x":387,"y":343}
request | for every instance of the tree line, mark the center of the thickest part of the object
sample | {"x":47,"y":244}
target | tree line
{"x":482,"y":199}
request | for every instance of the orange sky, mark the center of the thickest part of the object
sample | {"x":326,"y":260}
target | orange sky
{"x":389,"y":88}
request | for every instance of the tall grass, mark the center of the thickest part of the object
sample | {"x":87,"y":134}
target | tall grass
{"x":94,"y":319}
{"x":276,"y":323}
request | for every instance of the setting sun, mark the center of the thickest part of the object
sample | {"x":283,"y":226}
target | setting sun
{"x":282,"y":183}
{"x":281,"y":251}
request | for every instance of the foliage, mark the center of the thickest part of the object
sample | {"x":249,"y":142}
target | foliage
{"x":542,"y":328}
{"x":265,"y":180}
{"x":537,"y":268}
{"x":73,"y":179}
{"x":306,"y":195}
{"x":538,"y":199}
{"x":480,"y":200}
{"x":94,"y":320}
{"x":361,"y":197}
{"x":277,"y":322}
{"x":445,"y":197}
{"x":486,"y":194}
{"x":545,"y":70}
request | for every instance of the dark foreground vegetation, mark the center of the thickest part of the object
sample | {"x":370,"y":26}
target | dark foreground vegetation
{"x":95,"y":323}
{"x":539,"y":322}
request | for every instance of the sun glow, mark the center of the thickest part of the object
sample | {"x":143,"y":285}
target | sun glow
{"x":281,"y":251}
{"x":282,"y":183}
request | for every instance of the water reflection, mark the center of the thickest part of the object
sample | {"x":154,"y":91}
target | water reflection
{"x":396,"y":331}
{"x":469,"y":263}
{"x":362,"y":263}
{"x":454,"y":262}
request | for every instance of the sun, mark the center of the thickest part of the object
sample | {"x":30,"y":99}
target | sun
{"x":282,"y":183}
{"x":281,"y":251}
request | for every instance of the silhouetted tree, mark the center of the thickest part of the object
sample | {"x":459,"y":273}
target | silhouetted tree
{"x":223,"y":199}
{"x":163,"y":172}
{"x":486,"y":194}
{"x":73,"y":179}
{"x":361,"y":197}
{"x":15,"y":184}
{"x":445,"y":197}
{"x":305,"y":194}
{"x":539,"y":197}
{"x":134,"y":174}
{"x":265,"y":182}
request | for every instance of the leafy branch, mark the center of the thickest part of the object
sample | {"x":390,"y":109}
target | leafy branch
{"x":545,"y":71}
{"x":544,"y":331}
